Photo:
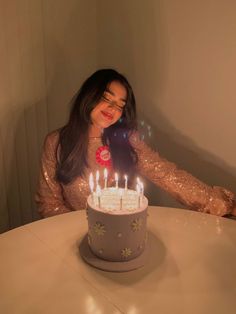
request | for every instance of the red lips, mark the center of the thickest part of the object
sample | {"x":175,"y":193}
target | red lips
{"x":107,"y":115}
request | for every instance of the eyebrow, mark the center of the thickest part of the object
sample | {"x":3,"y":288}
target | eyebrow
{"x":107,"y":90}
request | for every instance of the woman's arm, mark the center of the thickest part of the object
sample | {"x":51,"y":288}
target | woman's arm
{"x":180,"y":184}
{"x":49,"y":196}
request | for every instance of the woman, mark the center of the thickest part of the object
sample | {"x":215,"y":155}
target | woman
{"x":101,"y":132}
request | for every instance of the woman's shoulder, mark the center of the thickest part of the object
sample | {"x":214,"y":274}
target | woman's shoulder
{"x":141,"y":143}
{"x":52,"y":138}
{"x":135,"y":138}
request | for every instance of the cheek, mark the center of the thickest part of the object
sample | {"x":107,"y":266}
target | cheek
{"x":101,"y":105}
{"x":117,"y":116}
{"x":96,"y":110}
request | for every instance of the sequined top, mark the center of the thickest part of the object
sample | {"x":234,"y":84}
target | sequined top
{"x":55,"y":198}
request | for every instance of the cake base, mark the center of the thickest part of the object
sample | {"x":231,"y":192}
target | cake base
{"x":118,"y":267}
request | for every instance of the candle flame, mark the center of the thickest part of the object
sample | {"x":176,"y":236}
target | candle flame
{"x":91,"y":182}
{"x":126,"y":181}
{"x":97,"y":175}
{"x":105,"y":173}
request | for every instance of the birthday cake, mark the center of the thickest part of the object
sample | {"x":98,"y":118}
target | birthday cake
{"x":117,"y":220}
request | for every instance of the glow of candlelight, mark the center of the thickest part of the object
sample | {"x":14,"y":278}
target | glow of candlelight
{"x":116,"y":179}
{"x":105,"y":178}
{"x":126,"y":181}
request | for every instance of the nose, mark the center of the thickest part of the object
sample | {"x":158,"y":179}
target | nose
{"x":112,"y":107}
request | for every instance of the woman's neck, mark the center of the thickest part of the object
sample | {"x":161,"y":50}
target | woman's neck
{"x":95,"y":131}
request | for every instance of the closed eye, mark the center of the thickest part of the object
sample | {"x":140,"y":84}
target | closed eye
{"x":106,"y":99}
{"x":113,"y":103}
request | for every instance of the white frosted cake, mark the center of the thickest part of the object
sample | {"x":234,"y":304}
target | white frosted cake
{"x":117,"y":221}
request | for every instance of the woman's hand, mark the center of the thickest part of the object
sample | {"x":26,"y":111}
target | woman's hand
{"x":234,"y":210}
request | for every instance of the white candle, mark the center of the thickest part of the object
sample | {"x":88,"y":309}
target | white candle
{"x":98,"y":191}
{"x":105,"y":178}
{"x":91,"y":182}
{"x":116,"y":179}
{"x":121,"y":199}
{"x":138,"y":192}
{"x":91,"y":185}
{"x":121,"y":203}
{"x":126,"y":181}
{"x":97,"y":177}
{"x":142,"y":189}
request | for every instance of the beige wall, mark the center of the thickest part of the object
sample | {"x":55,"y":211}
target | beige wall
{"x":180,"y":58}
{"x":47,"y":48}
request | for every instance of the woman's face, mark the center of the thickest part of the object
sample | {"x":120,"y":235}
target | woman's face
{"x":110,"y":108}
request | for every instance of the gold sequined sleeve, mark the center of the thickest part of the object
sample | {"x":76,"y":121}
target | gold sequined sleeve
{"x":180,"y":184}
{"x":49,"y":196}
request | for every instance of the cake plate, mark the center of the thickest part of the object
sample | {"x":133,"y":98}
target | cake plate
{"x":90,"y":258}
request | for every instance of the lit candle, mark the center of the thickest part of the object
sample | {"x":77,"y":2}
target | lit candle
{"x":98,"y":191}
{"x":91,"y":182}
{"x":97,"y":177}
{"x":121,"y":199}
{"x":138,"y":191}
{"x":142,"y":189}
{"x":126,"y":181}
{"x":91,"y":185}
{"x":105,"y":178}
{"x":116,"y":179}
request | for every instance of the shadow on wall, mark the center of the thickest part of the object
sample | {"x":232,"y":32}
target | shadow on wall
{"x":181,"y":150}
{"x":152,"y":77}
{"x":139,"y":48}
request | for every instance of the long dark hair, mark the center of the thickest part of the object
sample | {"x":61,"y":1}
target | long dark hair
{"x":74,"y":136}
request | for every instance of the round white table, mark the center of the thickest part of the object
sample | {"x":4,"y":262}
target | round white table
{"x":191,"y":268}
